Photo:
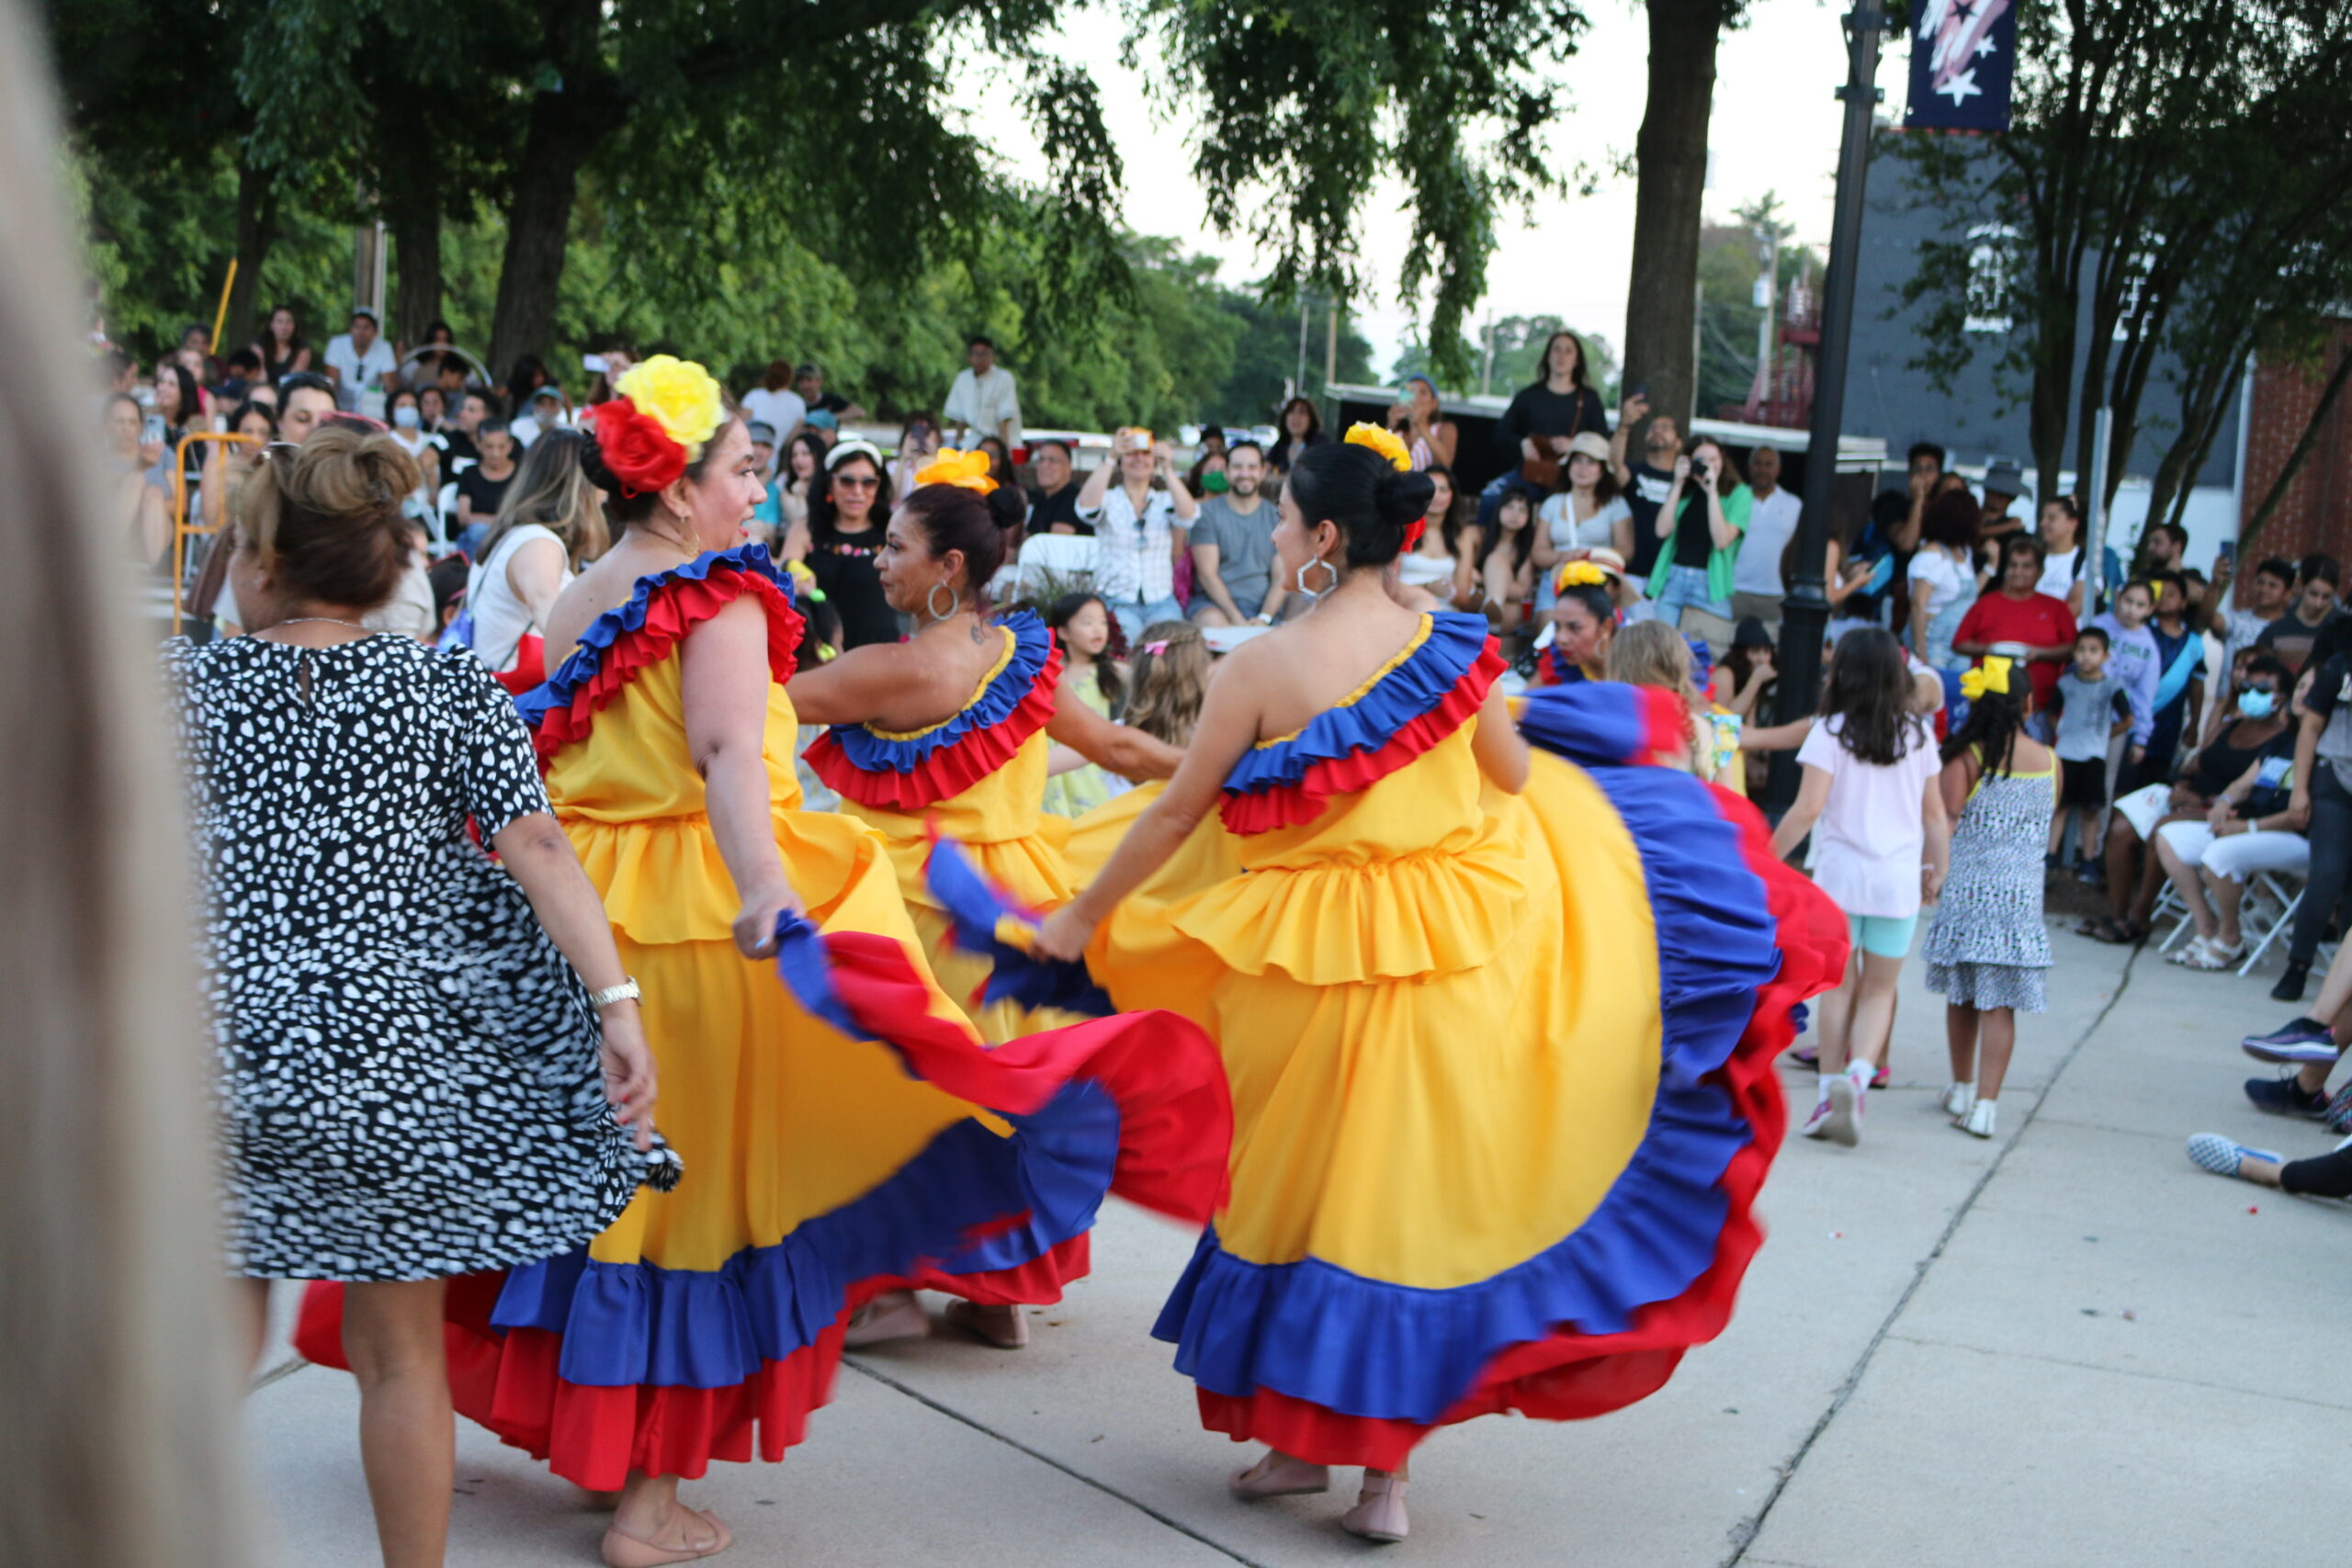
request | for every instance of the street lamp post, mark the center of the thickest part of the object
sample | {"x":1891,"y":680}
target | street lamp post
{"x":1805,"y":612}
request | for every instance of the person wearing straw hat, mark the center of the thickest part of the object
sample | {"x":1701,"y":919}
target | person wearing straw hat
{"x":1586,"y":514}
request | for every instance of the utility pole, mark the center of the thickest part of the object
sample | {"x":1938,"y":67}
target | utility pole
{"x":1486,"y":371}
{"x":1330,"y":345}
{"x":1768,"y":231}
{"x":1805,"y":612}
{"x":1298,"y":384}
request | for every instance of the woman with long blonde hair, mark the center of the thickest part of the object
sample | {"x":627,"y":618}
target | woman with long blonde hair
{"x":551,"y":523}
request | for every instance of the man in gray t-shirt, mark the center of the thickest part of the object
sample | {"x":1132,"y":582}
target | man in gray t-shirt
{"x":1233,"y":548}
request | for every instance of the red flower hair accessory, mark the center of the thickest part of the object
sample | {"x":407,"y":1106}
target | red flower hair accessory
{"x":636,"y":448}
{"x":1413,"y":532}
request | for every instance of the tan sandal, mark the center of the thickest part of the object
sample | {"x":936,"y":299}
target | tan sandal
{"x":1379,"y":1512}
{"x":895,"y":1314}
{"x":1279,"y":1475}
{"x":988,"y":1324}
{"x":623,"y":1550}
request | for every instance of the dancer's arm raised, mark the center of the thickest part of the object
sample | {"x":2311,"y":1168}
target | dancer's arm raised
{"x":723,"y":672}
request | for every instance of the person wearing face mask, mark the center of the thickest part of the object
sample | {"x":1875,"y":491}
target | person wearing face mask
{"x":2254,"y":824}
{"x":406,"y":414}
{"x":545,"y":412}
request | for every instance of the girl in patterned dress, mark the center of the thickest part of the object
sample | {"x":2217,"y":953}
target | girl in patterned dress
{"x":415,"y":1083}
{"x":1987,"y":947}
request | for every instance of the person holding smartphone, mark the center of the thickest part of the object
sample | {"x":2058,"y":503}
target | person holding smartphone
{"x":1140,"y":524}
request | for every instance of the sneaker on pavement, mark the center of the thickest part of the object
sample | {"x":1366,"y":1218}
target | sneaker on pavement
{"x":1818,"y":1121}
{"x":2304,"y":1040}
{"x":1980,"y":1119}
{"x":2290,"y":988}
{"x":1841,"y":1116}
{"x":2285,"y":1096}
{"x":1960,"y":1099}
{"x":2212,"y":1152}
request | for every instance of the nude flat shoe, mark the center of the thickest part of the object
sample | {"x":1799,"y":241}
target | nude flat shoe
{"x":623,"y":1550}
{"x":1279,"y":1475}
{"x":1379,"y":1512}
{"x":988,"y":1324}
{"x":895,"y":1314}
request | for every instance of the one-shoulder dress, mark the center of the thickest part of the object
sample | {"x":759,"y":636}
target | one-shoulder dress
{"x":977,"y":777}
{"x":835,"y":1144}
{"x":1502,"y":1065}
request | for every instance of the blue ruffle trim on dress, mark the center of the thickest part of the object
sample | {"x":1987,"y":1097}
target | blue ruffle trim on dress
{"x":977,"y":913}
{"x":1033,"y":644}
{"x":1594,"y":724}
{"x":1366,"y":1347}
{"x":558,"y":690}
{"x":629,"y":1323}
{"x":1402,"y":695}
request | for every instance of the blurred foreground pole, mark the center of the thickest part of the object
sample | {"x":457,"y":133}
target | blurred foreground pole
{"x":1804,"y":614}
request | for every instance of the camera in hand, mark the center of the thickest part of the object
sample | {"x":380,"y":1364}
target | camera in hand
{"x":1698,"y":468}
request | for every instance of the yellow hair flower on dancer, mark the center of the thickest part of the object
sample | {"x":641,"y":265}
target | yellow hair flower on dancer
{"x":1580,"y":574}
{"x":965,"y":470}
{"x":1388,"y":443}
{"x":679,"y":396}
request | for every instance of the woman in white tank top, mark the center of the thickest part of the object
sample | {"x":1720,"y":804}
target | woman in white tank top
{"x":551,"y":523}
{"x":1589,"y":515}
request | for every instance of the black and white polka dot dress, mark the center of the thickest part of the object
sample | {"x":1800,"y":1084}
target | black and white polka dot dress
{"x":407,"y":1067}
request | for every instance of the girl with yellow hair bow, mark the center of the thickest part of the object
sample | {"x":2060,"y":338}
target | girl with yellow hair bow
{"x":1986,"y":949}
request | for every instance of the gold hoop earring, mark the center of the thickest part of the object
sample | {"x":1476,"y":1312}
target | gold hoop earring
{"x":930,"y":602}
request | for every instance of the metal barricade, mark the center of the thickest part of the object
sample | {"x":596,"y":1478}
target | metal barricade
{"x":183,"y":529}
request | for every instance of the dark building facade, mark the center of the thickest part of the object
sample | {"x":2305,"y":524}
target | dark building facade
{"x":1980,"y":417}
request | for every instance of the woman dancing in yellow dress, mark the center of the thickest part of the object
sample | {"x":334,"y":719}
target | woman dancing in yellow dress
{"x":833,"y":1134}
{"x":1498,"y":1026}
{"x":947,"y":734}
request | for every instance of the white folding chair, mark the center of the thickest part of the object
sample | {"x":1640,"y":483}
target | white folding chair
{"x":2267,"y":908}
{"x":1063,"y":559}
{"x":2170,"y":902}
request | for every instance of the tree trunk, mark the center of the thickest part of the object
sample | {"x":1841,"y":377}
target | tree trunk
{"x":1670,"y":154}
{"x":568,"y":124}
{"x":256,"y":229}
{"x":416,"y":254}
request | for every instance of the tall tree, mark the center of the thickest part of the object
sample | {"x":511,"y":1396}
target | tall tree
{"x":1670,"y":157}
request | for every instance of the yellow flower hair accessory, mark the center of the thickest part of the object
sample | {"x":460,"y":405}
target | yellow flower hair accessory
{"x":677,"y":395}
{"x":1579,"y":574}
{"x":1385,"y":442}
{"x":965,"y":470}
{"x":1993,"y":675}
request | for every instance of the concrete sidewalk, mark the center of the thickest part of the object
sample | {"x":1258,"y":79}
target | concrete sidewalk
{"x":2065,"y":1346}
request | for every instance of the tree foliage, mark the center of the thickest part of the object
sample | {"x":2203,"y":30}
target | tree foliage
{"x":2170,"y":193}
{"x":1306,"y":104}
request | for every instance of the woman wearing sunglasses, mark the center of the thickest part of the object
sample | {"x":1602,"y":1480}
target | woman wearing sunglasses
{"x":847,"y":516}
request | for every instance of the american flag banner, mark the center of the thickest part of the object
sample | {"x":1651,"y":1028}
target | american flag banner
{"x":1964,"y":53}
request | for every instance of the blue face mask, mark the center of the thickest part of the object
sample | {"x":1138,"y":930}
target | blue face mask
{"x":2258,"y":704}
{"x":405,"y":416}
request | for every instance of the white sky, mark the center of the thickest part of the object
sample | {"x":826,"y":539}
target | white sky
{"x":1775,"y":127}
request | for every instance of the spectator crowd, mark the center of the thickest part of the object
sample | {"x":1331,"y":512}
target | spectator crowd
{"x":1998,"y":708}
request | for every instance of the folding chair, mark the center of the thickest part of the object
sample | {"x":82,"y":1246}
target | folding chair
{"x":2264,"y":892}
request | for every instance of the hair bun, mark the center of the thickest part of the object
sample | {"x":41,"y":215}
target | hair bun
{"x":1402,"y":500}
{"x":1007,"y":507}
{"x":592,"y":461}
